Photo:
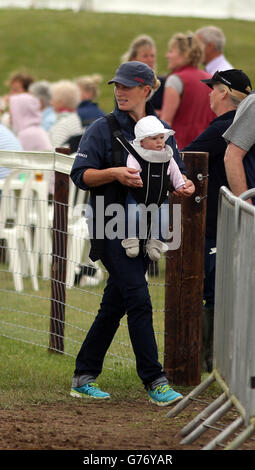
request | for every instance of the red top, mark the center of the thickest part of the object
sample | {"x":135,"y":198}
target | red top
{"x":194,"y":113}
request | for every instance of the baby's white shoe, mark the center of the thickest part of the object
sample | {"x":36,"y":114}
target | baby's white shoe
{"x":154,"y":248}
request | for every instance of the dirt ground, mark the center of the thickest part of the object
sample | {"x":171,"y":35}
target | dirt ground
{"x":111,"y":425}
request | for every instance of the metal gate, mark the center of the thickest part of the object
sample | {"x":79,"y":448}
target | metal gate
{"x":234,"y":326}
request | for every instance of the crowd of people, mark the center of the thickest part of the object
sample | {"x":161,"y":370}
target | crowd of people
{"x":65,"y":108}
{"x":59,"y":112}
{"x":202,"y":104}
{"x":40,"y":116}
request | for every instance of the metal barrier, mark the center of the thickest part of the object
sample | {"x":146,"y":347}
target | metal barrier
{"x":235,"y":299}
{"x":234,"y":326}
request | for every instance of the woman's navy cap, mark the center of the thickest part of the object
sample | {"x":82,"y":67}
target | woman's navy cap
{"x":133,"y":73}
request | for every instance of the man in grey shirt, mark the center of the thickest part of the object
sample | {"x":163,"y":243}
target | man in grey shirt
{"x":240,"y":154}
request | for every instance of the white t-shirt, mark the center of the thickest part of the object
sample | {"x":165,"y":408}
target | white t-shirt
{"x":218,"y":64}
{"x":174,"y":81}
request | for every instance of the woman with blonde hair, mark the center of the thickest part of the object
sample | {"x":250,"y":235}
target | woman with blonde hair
{"x":186,"y":105}
{"x":143,"y":49}
{"x":88,"y":109}
{"x":126,"y":291}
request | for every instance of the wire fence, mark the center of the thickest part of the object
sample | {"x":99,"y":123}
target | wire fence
{"x":50,"y":291}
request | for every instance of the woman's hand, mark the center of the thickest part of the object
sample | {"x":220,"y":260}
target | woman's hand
{"x":128,"y":177}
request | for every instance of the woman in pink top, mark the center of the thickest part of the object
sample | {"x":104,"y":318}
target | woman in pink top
{"x":186,"y":105}
{"x":27,"y":122}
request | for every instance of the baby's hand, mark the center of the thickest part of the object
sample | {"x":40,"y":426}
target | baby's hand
{"x":186,"y":190}
{"x":180,"y":191}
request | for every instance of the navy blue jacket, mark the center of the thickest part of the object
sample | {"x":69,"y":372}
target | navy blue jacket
{"x":157,"y":98}
{"x":95,"y":146}
{"x":211,"y":141}
{"x":95,"y":151}
{"x":89,"y":112}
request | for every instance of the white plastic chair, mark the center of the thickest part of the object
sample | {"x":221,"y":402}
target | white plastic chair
{"x":41,"y":217}
{"x":78,"y":245}
{"x":18,"y":234}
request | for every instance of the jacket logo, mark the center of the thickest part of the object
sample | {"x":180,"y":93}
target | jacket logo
{"x":83,"y":155}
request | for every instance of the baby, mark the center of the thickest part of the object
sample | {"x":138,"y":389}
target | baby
{"x":157,"y":169}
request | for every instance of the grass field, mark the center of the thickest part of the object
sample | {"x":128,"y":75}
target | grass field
{"x":30,"y":373}
{"x":26,"y":315}
{"x":61,"y":44}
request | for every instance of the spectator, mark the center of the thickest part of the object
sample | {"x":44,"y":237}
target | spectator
{"x":65,"y":98}
{"x":42,"y":91}
{"x":88,"y":109}
{"x":240,"y":154}
{"x":18,"y":82}
{"x":229,"y":88}
{"x":27,"y":122}
{"x":126,"y":290}
{"x":143,"y":49}
{"x":185,"y":103}
{"x":213,"y":41}
{"x":8,"y":141}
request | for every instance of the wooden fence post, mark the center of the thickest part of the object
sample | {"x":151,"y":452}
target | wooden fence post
{"x":184,"y":281}
{"x":59,"y":253}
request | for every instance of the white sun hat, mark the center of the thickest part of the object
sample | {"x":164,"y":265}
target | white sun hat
{"x":149,"y":126}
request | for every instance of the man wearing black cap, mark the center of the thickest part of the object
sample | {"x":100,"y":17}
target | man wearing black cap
{"x":229,"y":88}
{"x":126,"y":291}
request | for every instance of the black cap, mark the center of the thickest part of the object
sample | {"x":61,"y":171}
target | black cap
{"x":133,"y":73}
{"x":234,"y":79}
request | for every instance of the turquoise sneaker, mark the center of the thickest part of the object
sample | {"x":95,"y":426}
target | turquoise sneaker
{"x":89,"y":390}
{"x":163,"y":395}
